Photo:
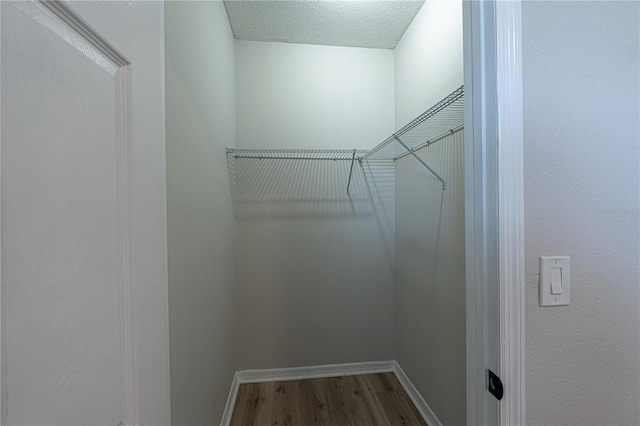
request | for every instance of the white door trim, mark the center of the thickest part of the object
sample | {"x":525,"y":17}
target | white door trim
{"x":3,"y":405}
{"x":494,"y":207}
{"x":511,"y":210}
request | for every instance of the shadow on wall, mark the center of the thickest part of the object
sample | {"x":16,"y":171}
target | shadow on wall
{"x":430,"y":276}
{"x":312,"y":190}
{"x":315,"y":274}
{"x":302,"y":189}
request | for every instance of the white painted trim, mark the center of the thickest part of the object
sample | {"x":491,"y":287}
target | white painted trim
{"x":511,"y":210}
{"x":231,"y":401}
{"x":128,"y":259}
{"x":421,"y":405}
{"x":67,"y":15}
{"x":480,"y":213}
{"x":3,"y":391}
{"x":494,"y":209}
{"x":315,"y":371}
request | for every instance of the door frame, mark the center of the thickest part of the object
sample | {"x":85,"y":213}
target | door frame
{"x":494,"y":208}
{"x":493,"y":116}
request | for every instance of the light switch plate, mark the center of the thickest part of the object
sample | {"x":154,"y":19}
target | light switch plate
{"x":555,"y":280}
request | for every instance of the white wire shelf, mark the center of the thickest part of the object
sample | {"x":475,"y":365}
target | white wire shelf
{"x":297,"y":154}
{"x":444,"y":118}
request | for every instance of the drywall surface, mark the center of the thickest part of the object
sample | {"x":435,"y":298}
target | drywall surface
{"x":430,"y":276}
{"x":310,"y":96}
{"x":315,"y":266}
{"x":581,"y":112}
{"x":200,"y":117}
{"x":430,"y":255}
{"x":428,"y":59}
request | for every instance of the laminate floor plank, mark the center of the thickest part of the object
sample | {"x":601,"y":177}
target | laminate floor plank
{"x":389,"y":382}
{"x":364,"y":400}
{"x":362,"y":412}
{"x":264,"y":404}
{"x":286,"y":404}
{"x":242,"y":410}
{"x":397,"y":403}
{"x":374,"y":384}
{"x":369,"y":393}
{"x":343,"y":406}
{"x":398,"y":409}
{"x":314,"y":403}
{"x":337,"y":407}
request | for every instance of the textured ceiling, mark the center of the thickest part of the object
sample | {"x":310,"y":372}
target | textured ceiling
{"x":361,"y":23}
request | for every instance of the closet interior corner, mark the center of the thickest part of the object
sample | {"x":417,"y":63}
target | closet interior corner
{"x":324,"y":200}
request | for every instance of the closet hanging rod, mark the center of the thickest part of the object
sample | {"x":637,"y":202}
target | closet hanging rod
{"x":259,"y":157}
{"x":444,"y":103}
{"x":297,"y":154}
{"x":431,"y":141}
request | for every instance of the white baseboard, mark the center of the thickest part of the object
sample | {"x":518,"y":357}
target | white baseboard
{"x":315,"y":371}
{"x":231,"y":401}
{"x":332,"y":370}
{"x":423,"y":408}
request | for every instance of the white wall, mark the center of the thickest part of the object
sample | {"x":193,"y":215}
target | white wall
{"x":428,"y":59}
{"x":581,"y":112}
{"x":315,"y":267}
{"x":430,"y":277}
{"x":200,"y":120}
{"x":312,"y":96}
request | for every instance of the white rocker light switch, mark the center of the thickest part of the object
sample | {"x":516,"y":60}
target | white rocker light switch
{"x":555,"y":280}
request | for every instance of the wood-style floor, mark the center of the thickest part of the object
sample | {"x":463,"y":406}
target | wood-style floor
{"x":367,"y":400}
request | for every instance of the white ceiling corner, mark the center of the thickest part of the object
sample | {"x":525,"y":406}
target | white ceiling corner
{"x":355,"y":23}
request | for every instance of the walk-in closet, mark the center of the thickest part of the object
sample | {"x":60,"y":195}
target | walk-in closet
{"x":315,"y":188}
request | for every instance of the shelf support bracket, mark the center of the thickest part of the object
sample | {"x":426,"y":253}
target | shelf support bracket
{"x":420,"y":160}
{"x":353,"y":158}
